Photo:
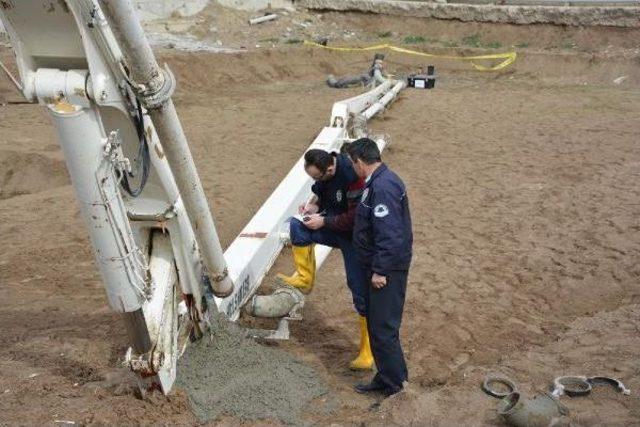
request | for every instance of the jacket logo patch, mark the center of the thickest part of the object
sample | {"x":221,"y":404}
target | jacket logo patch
{"x":365,"y":193}
{"x":339,"y":196}
{"x":380,"y":211}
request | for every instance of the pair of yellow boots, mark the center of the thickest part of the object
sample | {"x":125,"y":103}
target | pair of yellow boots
{"x":304,"y":278}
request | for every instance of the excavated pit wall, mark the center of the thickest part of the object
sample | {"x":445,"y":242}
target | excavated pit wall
{"x":149,"y":10}
{"x":255,"y":5}
{"x":230,"y":375}
{"x":628,"y":17}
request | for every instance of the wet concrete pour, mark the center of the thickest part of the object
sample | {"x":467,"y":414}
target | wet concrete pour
{"x":229,"y":374}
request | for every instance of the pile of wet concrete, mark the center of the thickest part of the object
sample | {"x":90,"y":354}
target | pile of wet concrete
{"x":227,"y":374}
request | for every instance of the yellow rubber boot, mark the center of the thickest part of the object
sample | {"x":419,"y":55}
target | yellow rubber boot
{"x":304,"y":258}
{"x":364,"y":361}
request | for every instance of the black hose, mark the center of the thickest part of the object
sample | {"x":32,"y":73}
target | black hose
{"x":142,"y":160}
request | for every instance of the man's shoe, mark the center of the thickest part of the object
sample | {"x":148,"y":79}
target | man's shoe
{"x":390,"y":391}
{"x":371,"y":387}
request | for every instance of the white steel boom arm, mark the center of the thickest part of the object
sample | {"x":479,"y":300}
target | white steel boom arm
{"x":140,"y":219}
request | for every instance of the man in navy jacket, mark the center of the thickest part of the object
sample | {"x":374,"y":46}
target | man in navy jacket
{"x":328,"y":219}
{"x":383,"y":239}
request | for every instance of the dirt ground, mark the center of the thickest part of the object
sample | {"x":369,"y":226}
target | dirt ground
{"x":525,"y":203}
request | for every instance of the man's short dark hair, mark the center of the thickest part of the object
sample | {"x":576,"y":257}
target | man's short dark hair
{"x":345,"y":147}
{"x":365,"y":150}
{"x":318,"y":158}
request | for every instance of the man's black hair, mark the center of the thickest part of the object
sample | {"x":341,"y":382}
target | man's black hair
{"x":344,"y":149}
{"x":366,"y":150}
{"x":318,"y":158}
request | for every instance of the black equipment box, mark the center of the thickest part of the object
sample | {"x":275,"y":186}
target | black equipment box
{"x":423,"y":81}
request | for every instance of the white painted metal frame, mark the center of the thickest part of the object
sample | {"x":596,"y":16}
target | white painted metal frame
{"x":70,"y":63}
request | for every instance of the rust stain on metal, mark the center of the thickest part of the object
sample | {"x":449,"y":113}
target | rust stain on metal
{"x":162,"y":225}
{"x":63,"y":107}
{"x":149,"y":133}
{"x":79,"y":92}
{"x":64,"y":6}
{"x":256,"y":235}
{"x":158,"y":150}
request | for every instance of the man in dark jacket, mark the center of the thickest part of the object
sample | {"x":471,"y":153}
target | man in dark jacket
{"x":383,"y":239}
{"x":327,"y":219}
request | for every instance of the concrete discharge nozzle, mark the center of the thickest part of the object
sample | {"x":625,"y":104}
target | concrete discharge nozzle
{"x":541,"y":411}
{"x":284,"y":302}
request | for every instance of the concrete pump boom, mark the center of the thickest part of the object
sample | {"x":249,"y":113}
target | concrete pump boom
{"x":90,"y":65}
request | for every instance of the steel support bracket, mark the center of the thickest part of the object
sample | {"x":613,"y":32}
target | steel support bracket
{"x":281,"y":333}
{"x":146,"y":364}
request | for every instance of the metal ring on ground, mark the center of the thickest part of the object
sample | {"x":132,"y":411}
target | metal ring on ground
{"x":573,"y":386}
{"x":610,"y":381}
{"x":486,"y":386}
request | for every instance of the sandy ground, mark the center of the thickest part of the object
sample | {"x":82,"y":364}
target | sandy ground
{"x":523,"y":188}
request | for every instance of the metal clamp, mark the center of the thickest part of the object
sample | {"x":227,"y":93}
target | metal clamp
{"x":489,"y":380}
{"x":157,"y":98}
{"x":581,"y":385}
{"x":571,"y":386}
{"x":217,"y":278}
{"x":113,"y":152}
{"x":612,"y":382}
{"x":280,"y":333}
{"x":146,"y":364}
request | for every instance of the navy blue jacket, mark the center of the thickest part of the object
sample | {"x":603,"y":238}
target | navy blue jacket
{"x":333,"y":194}
{"x":382,"y":233}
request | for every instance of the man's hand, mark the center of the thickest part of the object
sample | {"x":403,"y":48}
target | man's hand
{"x":314,"y":222}
{"x":378,"y":281}
{"x":308,"y":208}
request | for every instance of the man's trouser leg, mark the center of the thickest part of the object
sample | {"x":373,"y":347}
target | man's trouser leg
{"x":356,"y":276}
{"x":385,"y":308}
{"x":357,"y":282}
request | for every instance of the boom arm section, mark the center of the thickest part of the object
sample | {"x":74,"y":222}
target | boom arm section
{"x":138,"y":205}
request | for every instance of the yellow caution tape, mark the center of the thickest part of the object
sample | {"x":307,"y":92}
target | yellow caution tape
{"x":508,"y":57}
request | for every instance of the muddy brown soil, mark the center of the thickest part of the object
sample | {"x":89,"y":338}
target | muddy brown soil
{"x":523,"y":188}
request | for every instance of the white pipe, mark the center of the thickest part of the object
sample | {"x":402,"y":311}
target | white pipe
{"x":146,"y":72}
{"x":343,"y":110}
{"x":262,"y":19}
{"x":278,"y":304}
{"x":51,"y":83}
{"x":384,"y":101}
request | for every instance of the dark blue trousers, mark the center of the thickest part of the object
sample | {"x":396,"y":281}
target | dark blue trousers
{"x":384,"y":317}
{"x":355,"y":271}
